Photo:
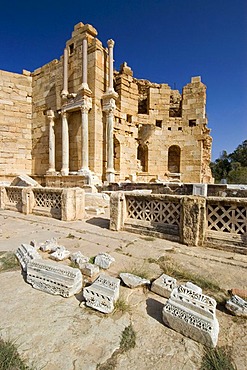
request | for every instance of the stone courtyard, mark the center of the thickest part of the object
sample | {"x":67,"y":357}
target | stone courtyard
{"x":57,"y":333}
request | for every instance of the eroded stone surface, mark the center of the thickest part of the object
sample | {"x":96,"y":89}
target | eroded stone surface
{"x":194,"y":287}
{"x":237,"y":306}
{"x":102,"y":294}
{"x":193,"y":315}
{"x":133,"y":281}
{"x":25,"y":254}
{"x":49,"y":245}
{"x":54,"y":278}
{"x":104,"y":260}
{"x":89,"y":269}
{"x":60,"y":254}
{"x":79,"y":258}
{"x":164,"y":285}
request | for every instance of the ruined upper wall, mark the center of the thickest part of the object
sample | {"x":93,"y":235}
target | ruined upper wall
{"x":15,"y":123}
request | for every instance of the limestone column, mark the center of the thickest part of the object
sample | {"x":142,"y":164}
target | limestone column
{"x":50,"y":116}
{"x":65,"y":144}
{"x":85,"y":107}
{"x":109,"y":107}
{"x":84,"y":63}
{"x":65,"y":91}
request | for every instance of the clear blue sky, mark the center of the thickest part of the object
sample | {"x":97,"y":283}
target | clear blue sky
{"x":162,"y":40}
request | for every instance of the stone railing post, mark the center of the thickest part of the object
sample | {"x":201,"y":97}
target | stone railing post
{"x":3,"y":196}
{"x":118,"y":211}
{"x":73,"y":204}
{"x":193,"y":223}
{"x":27,"y":200}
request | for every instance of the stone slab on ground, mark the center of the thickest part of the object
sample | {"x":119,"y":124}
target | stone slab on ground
{"x":237,"y":306}
{"x":133,"y":281}
{"x":164,"y":285}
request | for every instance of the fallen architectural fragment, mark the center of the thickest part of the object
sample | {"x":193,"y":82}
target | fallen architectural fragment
{"x":89,"y":269}
{"x":193,"y":315}
{"x":133,"y":281}
{"x":194,"y":287}
{"x":102,"y":294}
{"x":60,"y":254}
{"x":49,"y":245}
{"x":24,"y":180}
{"x":237,"y":306}
{"x":104,"y":260}
{"x":54,"y":278}
{"x":25,"y":254}
{"x":78,"y":258}
{"x":164,"y":285}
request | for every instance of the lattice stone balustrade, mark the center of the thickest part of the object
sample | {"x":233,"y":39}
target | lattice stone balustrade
{"x":66,"y":204}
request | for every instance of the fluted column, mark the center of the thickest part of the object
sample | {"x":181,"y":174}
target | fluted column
{"x":85,"y":107}
{"x":110,"y":44}
{"x":65,"y":91}
{"x":65,"y":145}
{"x":50,"y":116}
{"x":109,"y":106}
{"x":84,"y":85}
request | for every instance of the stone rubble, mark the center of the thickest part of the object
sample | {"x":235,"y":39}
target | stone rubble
{"x":102,"y":294}
{"x":104,"y":260}
{"x":133,"y":281}
{"x":26,"y":253}
{"x":237,"y":306}
{"x":49,"y":245}
{"x":193,"y":315}
{"x":78,"y":258}
{"x":89,"y":269}
{"x":60,"y":254}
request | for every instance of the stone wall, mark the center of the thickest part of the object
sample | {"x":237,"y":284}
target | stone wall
{"x":15,"y":123}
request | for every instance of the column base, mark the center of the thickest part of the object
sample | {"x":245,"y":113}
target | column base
{"x":110,"y":176}
{"x":65,"y":172}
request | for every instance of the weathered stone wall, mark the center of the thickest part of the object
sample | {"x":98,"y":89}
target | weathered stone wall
{"x":158,"y":132}
{"x":15,"y":123}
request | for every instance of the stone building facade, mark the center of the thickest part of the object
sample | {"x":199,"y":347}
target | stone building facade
{"x":78,"y":117}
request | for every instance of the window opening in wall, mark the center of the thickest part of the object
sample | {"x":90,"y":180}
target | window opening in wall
{"x":143,"y":106}
{"x":142,"y":157}
{"x":174,"y":154}
{"x":180,"y":128}
{"x":192,"y":122}
{"x":71,"y":49}
{"x":158,"y":123}
{"x":169,"y":128}
{"x":129,"y":118}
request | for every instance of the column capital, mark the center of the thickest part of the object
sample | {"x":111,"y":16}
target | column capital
{"x":86,"y":104}
{"x":109,"y":104}
{"x":110,"y":43}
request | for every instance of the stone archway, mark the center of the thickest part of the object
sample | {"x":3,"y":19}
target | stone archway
{"x":142,"y":156}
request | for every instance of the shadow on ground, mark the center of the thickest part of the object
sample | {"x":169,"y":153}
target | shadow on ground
{"x":154,"y":309}
{"x":104,"y":223}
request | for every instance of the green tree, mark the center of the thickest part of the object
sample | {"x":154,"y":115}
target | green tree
{"x":240,"y":154}
{"x":221,"y":167}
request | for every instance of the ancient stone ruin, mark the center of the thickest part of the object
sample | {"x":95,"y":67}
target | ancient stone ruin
{"x":77,"y":120}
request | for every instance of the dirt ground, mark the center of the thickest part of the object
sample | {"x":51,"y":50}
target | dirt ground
{"x":56,"y":333}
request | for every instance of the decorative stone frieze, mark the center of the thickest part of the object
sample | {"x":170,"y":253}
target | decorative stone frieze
{"x":164,"y":285}
{"x":54,"y":278}
{"x":133,"y":281}
{"x":104,"y":260}
{"x":26,"y":253}
{"x":193,"y":315}
{"x":102,"y":294}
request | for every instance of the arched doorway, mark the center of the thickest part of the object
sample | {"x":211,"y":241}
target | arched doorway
{"x":174,"y":154}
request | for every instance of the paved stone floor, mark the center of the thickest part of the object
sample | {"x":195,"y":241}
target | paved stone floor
{"x":56,"y":333}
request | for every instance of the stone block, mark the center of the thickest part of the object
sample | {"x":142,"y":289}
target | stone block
{"x":194,"y":287}
{"x":164,"y":285}
{"x":102,"y":294}
{"x":78,"y":258}
{"x":89,"y":269}
{"x":193,"y":315}
{"x":49,"y":245}
{"x":200,"y":189}
{"x":133,"y":281}
{"x":100,"y":200}
{"x":60,"y":254}
{"x":26,"y":253}
{"x":237,"y":306}
{"x":54,"y":278}
{"x":104,"y":260}
{"x":24,"y":180}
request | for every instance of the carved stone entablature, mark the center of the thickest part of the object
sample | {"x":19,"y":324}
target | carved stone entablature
{"x":102,"y":294}
{"x":237,"y":306}
{"x":53,"y":278}
{"x":25,"y":254}
{"x":164,"y":285}
{"x":77,"y":103}
{"x":193,"y":315}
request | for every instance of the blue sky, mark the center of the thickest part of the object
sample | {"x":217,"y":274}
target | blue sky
{"x":165,"y":41}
